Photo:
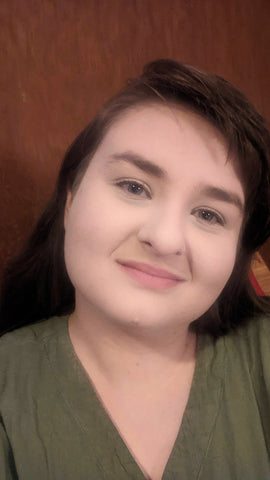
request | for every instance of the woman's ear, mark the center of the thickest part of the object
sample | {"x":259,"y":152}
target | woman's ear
{"x":67,"y":206}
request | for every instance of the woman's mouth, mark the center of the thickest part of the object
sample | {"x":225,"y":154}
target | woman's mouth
{"x":149,"y":275}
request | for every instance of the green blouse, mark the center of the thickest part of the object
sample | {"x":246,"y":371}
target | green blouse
{"x":53,"y":426}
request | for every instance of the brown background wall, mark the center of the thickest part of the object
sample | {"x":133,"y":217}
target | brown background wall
{"x":60,"y":59}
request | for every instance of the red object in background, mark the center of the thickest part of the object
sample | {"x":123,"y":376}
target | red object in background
{"x":255,"y":284}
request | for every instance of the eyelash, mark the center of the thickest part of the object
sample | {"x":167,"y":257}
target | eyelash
{"x":214,"y":215}
{"x":134,"y":183}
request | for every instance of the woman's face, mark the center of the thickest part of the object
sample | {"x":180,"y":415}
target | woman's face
{"x":152,"y":231}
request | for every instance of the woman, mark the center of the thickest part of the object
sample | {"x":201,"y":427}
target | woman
{"x":153,"y":362}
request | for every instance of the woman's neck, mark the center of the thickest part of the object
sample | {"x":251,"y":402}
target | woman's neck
{"x":128,"y":355}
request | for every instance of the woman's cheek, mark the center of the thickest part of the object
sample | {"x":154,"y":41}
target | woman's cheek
{"x":215,"y":256}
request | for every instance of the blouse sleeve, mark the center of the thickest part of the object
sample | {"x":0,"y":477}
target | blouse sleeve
{"x":7,"y":466}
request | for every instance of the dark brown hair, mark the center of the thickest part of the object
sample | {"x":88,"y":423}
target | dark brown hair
{"x":36,"y":284}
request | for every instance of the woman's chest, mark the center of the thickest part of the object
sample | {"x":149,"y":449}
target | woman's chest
{"x":148,"y":421}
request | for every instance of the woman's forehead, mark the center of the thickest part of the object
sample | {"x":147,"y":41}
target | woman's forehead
{"x":164,"y":140}
{"x":150,"y":126}
{"x":155,"y":127}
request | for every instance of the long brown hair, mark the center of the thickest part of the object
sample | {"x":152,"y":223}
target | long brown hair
{"x":36,"y":284}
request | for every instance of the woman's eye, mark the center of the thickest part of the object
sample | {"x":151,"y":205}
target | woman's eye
{"x":209,"y":216}
{"x":134,"y":188}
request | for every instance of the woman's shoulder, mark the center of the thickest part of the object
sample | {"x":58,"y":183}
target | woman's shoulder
{"x":248,"y":352}
{"x":33,"y":332}
{"x":27,"y":342}
{"x":253,"y":335}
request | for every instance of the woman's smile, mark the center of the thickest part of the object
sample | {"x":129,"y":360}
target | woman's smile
{"x":149,"y":275}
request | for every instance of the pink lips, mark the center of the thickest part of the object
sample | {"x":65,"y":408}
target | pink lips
{"x":149,"y":275}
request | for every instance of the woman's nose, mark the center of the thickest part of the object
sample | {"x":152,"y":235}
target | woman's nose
{"x":164,"y":233}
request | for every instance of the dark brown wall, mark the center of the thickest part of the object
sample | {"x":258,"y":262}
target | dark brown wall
{"x":61,"y":59}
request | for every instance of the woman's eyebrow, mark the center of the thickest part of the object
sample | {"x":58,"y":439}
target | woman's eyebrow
{"x":223,"y":195}
{"x":141,"y":162}
{"x":151,"y":168}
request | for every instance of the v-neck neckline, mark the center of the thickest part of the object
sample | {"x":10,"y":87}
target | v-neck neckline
{"x":86,"y":408}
